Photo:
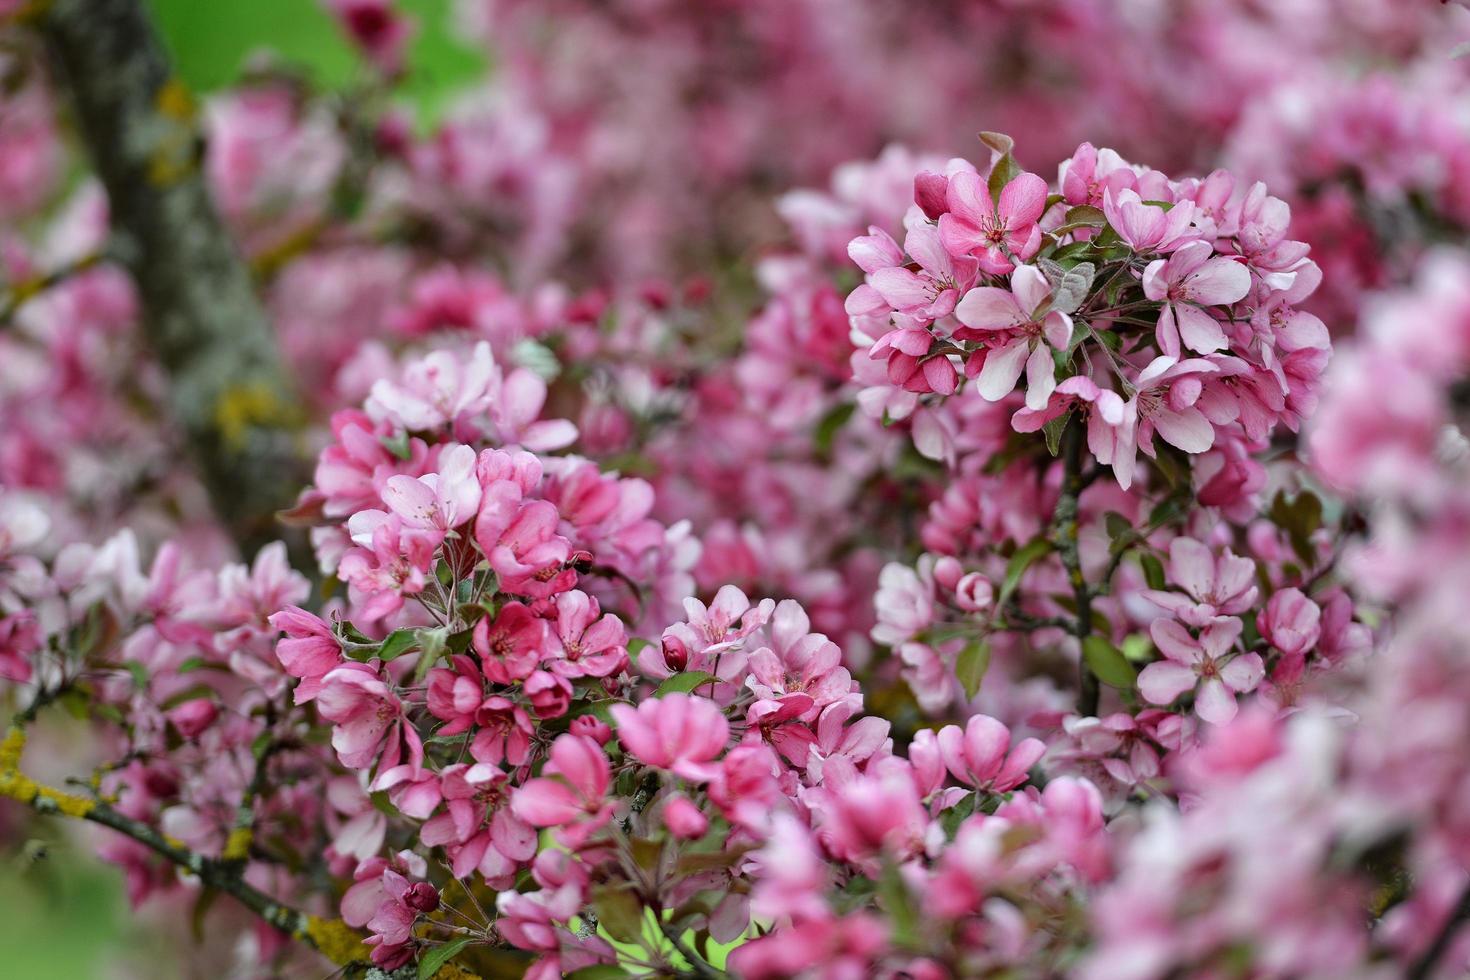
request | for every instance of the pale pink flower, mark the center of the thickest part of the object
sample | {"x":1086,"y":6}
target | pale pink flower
{"x":928,"y":294}
{"x":1205,"y":663}
{"x":1214,"y":585}
{"x":1149,"y":227}
{"x":1291,"y":622}
{"x":439,"y":501}
{"x":593,"y":644}
{"x":1164,"y":400}
{"x":1017,"y":335}
{"x":1192,"y":278}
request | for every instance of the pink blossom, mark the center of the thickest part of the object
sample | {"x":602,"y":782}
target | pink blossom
{"x":1017,"y":335}
{"x":439,"y":501}
{"x":981,"y":756}
{"x":577,"y":795}
{"x":930,"y":293}
{"x":376,"y":28}
{"x":1164,"y":400}
{"x":593,"y":645}
{"x":678,"y":732}
{"x":511,"y":644}
{"x":1148,"y":227}
{"x":309,"y":651}
{"x":367,"y":719}
{"x":1201,"y":663}
{"x":1222,"y":585}
{"x":1192,"y":278}
{"x":683,"y":819}
{"x":993,"y":231}
{"x":1291,"y":622}
{"x":20,"y":637}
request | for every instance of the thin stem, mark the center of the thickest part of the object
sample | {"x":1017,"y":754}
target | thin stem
{"x":696,"y":962}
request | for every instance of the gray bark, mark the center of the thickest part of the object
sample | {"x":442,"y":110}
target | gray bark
{"x":202,"y":317}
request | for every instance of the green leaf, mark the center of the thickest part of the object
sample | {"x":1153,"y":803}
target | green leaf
{"x":1005,"y":169}
{"x":430,"y":962}
{"x":683,"y":683}
{"x":1300,"y":517}
{"x":1153,"y":571}
{"x":830,"y":424}
{"x":894,"y":896}
{"x":1053,"y":431}
{"x":1020,"y":561}
{"x":140,"y":674}
{"x":971,"y":665}
{"x":601,"y":971}
{"x":396,"y":643}
{"x":1137,"y":647}
{"x":619,"y":912}
{"x":636,"y":646}
{"x":397,"y":444}
{"x":1108,"y":663}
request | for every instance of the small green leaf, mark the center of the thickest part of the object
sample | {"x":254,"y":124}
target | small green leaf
{"x":430,"y":962}
{"x":1137,"y":647}
{"x":139,"y":672}
{"x":1053,"y":431}
{"x":971,"y":665}
{"x":601,"y":971}
{"x":1108,"y":663}
{"x":394,"y":645}
{"x":1153,"y":571}
{"x":619,"y":912}
{"x":261,"y":743}
{"x":894,"y":896}
{"x":397,"y":444}
{"x":683,"y":683}
{"x":830,"y":424}
{"x":1020,"y":561}
{"x":636,"y":646}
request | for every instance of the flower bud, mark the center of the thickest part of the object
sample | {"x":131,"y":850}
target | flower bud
{"x":676,"y":654}
{"x":974,"y":593}
{"x":592,"y":727}
{"x":684,"y":819}
{"x":422,"y":897}
{"x":193,"y":717}
{"x":930,"y":191}
{"x":948,"y":571}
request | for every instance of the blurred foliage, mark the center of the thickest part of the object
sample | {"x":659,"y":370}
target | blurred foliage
{"x":211,"y":42}
{"x":65,"y":914}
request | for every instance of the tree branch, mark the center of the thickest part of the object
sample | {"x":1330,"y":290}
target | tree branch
{"x":202,"y":319}
{"x":331,"y":937}
{"x":1064,"y":536}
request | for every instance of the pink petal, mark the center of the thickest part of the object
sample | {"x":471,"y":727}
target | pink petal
{"x":1162,"y":682}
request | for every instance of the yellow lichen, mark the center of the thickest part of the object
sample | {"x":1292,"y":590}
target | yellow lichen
{"x":18,"y":786}
{"x":237,"y":845}
{"x":449,"y":971}
{"x":173,"y":100}
{"x":335,"y":940}
{"x":11,"y":748}
{"x":243,"y":407}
